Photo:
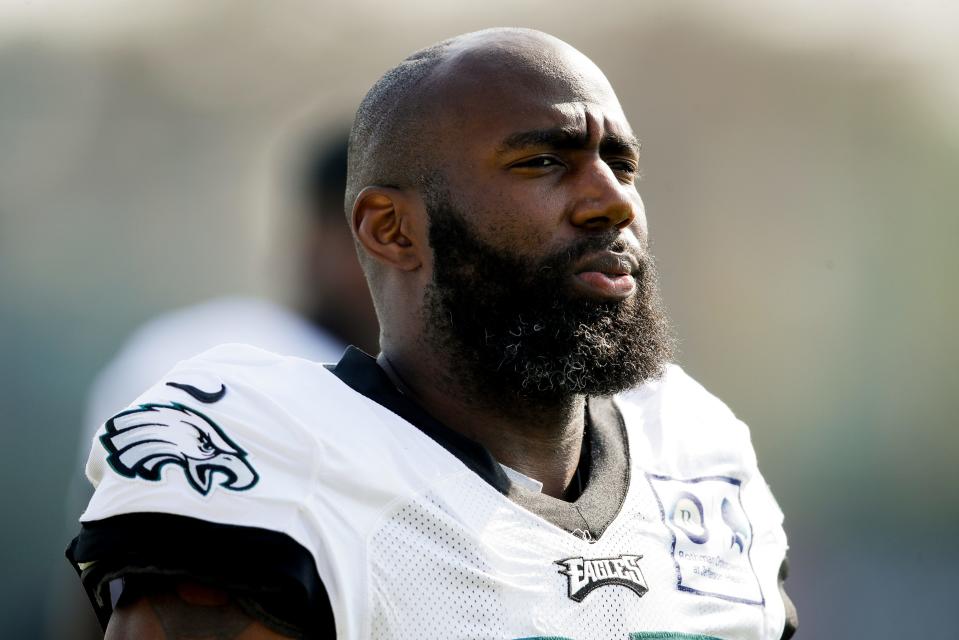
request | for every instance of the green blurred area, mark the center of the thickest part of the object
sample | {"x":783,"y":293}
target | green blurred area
{"x":802,"y":203}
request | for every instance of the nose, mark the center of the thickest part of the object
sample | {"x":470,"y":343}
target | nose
{"x":603,"y":201}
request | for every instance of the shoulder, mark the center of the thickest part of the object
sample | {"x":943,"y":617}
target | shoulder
{"x":675,"y":413}
{"x":674,"y":391}
{"x":223,"y":454}
{"x":245,"y":385}
{"x":240,"y":435}
{"x":681,"y":433}
{"x":251,"y":381}
{"x":218,"y":430}
{"x":179,"y":334}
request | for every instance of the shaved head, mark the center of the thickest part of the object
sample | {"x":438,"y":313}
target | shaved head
{"x":395,"y":140}
{"x":386,"y":139}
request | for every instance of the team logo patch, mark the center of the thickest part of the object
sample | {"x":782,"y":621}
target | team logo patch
{"x":585,"y":575}
{"x":142,"y":441}
{"x":712,"y":536}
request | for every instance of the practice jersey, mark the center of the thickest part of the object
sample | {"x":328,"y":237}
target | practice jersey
{"x":176,"y":335}
{"x":330,"y":485}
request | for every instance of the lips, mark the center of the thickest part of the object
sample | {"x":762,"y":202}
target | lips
{"x":606,"y":274}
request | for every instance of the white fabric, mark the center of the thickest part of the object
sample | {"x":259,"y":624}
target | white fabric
{"x":412,"y":544}
{"x":523,"y":480}
{"x":177,"y":335}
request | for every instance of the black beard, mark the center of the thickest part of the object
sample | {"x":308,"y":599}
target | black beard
{"x":515,"y":333}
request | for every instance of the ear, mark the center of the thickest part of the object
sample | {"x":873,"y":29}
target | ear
{"x":385,"y":223}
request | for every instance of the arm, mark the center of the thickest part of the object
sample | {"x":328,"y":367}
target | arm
{"x":187,"y":610}
{"x":177,"y":512}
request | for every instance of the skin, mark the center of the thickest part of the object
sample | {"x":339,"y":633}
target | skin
{"x":531,"y":194}
{"x":188,"y":611}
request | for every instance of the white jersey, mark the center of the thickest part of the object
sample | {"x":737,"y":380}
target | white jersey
{"x":179,"y":334}
{"x":416,"y":532}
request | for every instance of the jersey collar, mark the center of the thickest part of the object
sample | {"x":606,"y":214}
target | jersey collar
{"x":608,"y":469}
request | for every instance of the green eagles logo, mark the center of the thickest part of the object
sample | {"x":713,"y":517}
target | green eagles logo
{"x":142,"y":441}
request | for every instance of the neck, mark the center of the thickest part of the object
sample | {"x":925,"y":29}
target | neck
{"x":541,"y":440}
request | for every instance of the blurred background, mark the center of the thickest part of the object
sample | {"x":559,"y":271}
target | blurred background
{"x":801,"y":163}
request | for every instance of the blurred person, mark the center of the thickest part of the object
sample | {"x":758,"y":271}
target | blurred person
{"x":519,"y":461}
{"x":331,"y":306}
{"x":331,"y":310}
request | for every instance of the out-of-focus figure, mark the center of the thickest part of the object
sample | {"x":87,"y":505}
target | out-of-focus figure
{"x":332,"y":308}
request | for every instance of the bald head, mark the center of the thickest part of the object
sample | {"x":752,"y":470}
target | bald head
{"x":402,"y":126}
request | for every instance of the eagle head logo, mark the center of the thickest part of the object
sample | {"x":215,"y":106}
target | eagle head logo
{"x":142,"y":441}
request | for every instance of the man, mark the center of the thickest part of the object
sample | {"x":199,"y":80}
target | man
{"x":518,"y":462}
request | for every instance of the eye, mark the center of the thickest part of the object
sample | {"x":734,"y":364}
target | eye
{"x":537,"y":162}
{"x":625,"y":168}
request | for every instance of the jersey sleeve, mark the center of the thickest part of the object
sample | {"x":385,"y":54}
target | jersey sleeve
{"x":203,"y":477}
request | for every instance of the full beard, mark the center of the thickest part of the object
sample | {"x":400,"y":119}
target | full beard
{"x":515,"y":333}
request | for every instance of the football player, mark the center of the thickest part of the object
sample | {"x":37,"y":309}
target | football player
{"x":519,"y":461}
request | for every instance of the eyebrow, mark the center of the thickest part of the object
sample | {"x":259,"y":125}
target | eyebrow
{"x":563,"y":138}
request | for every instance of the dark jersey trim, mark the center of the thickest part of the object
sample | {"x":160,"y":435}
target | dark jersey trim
{"x":606,"y":478}
{"x":261,"y":565}
{"x":605,"y":470}
{"x":360,"y":372}
{"x":792,"y":618}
